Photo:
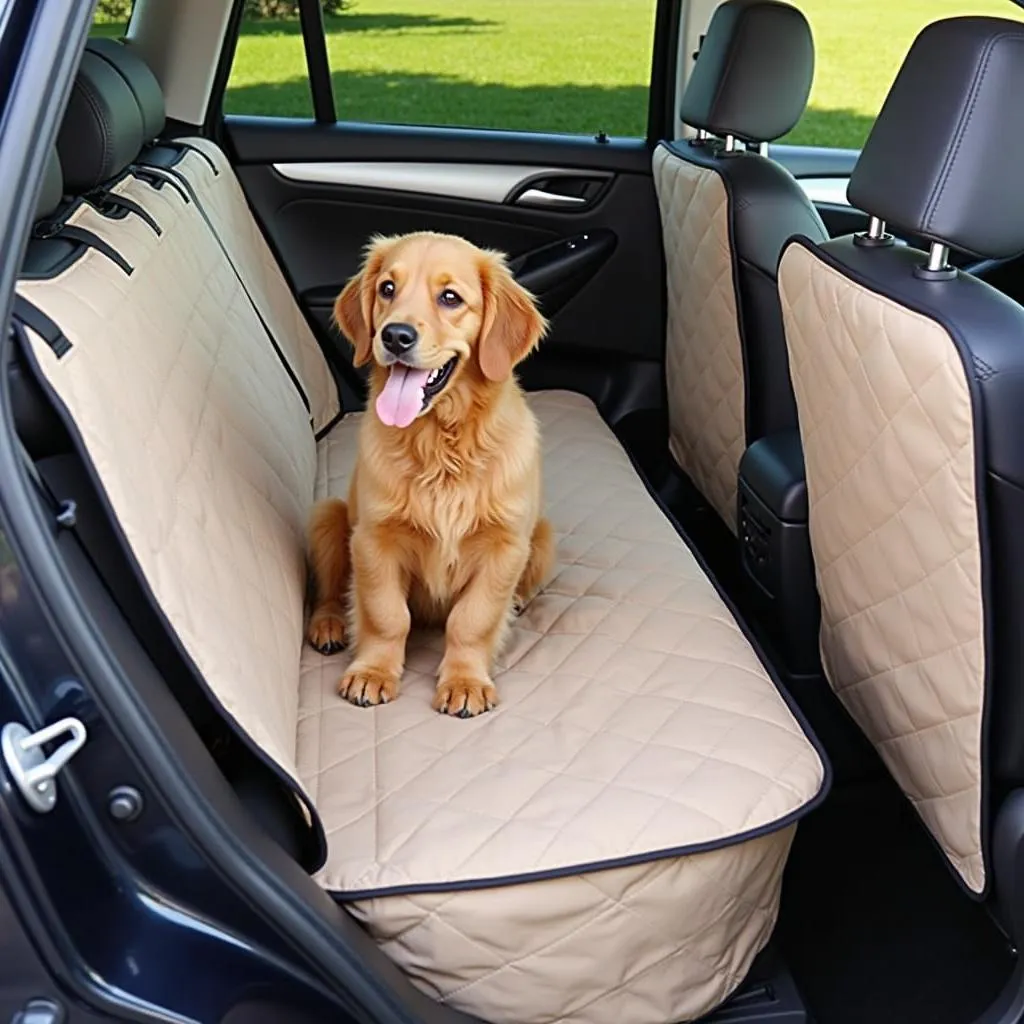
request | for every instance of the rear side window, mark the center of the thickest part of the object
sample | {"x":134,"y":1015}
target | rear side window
{"x":111,"y":18}
{"x":859,"y":48}
{"x":572,"y":66}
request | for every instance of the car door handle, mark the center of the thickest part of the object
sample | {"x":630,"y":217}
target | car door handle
{"x":541,"y":197}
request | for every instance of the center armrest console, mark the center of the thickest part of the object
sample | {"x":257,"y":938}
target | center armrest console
{"x":775,"y":544}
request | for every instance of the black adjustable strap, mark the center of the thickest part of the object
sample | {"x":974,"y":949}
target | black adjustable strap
{"x":173,"y":177}
{"x":57,"y":229}
{"x":182,"y":146}
{"x":100,"y":198}
{"x":32,"y":316}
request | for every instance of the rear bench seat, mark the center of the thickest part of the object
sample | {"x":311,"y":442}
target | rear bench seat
{"x":608,"y":845}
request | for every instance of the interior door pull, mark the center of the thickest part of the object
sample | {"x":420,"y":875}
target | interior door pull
{"x":540,"y":197}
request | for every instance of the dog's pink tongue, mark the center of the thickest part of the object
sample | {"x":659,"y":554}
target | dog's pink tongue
{"x":402,"y":398}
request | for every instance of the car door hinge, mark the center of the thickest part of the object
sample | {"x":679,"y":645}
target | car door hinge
{"x":33,"y":772}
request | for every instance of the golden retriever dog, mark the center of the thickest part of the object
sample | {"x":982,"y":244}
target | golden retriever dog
{"x":443,"y":520}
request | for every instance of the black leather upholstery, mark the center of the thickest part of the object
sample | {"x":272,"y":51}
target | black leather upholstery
{"x":139,"y":78}
{"x":766,"y":207}
{"x":102,"y":131}
{"x":754,"y":72}
{"x":987,"y":328}
{"x":52,"y":189}
{"x":943,"y":159}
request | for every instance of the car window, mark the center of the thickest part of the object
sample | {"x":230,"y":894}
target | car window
{"x":111,"y":18}
{"x":859,"y":48}
{"x":576,"y":66}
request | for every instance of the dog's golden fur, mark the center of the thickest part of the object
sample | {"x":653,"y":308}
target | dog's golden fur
{"x":442,"y":523}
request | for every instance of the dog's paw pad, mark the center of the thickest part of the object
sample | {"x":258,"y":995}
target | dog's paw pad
{"x":326,"y":632}
{"x":465,"y":698}
{"x":368,"y":687}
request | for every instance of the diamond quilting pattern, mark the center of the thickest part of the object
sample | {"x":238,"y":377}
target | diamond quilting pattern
{"x":228,"y":209}
{"x":888,"y":437}
{"x":703,"y":354}
{"x":629,"y":694}
{"x":201,"y":443}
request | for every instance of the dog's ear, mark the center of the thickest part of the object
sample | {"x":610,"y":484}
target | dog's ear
{"x":512,"y":325}
{"x":353,"y":309}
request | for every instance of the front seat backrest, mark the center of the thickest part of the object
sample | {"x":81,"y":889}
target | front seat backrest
{"x":726,"y":214}
{"x":909,"y":381}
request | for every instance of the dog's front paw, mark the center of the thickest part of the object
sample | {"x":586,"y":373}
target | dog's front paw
{"x":326,"y":632}
{"x":368,"y":686}
{"x":464,"y":697}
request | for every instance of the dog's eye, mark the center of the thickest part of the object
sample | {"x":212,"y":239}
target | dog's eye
{"x":386,"y":289}
{"x":450,"y":298}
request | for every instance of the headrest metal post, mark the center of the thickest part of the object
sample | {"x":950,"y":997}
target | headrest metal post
{"x":875,"y":236}
{"x":762,"y":149}
{"x":938,"y":257}
{"x":730,"y":144}
{"x":938,"y":267}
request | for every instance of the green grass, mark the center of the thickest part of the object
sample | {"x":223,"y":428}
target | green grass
{"x":557,"y":65}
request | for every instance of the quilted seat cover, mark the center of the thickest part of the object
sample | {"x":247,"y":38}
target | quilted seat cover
{"x":636,"y":724}
{"x":228,"y":209}
{"x":608,"y":845}
{"x":888,"y":437}
{"x":703,"y":351}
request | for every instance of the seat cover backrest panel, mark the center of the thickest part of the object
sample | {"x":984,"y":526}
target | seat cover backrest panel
{"x":704,"y":368}
{"x":226,"y":206}
{"x":201,"y":443}
{"x":888,"y":433}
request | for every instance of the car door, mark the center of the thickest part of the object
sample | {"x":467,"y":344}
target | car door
{"x":555,"y":173}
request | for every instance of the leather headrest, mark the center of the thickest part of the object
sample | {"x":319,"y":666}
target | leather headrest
{"x":941,"y":158}
{"x":753,"y":74}
{"x":141,"y":80}
{"x":52,"y":191}
{"x":102,"y":129}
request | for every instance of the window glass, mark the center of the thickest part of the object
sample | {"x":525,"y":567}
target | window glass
{"x":577,"y":66}
{"x":111,"y":18}
{"x":859,"y":47}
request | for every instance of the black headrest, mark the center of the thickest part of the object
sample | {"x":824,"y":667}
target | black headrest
{"x":102,"y":129}
{"x":941,"y":158}
{"x":753,"y":74}
{"x":141,"y":80}
{"x":52,"y":189}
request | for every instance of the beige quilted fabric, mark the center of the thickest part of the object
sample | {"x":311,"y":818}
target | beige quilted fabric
{"x":885,"y":418}
{"x":635,"y":717}
{"x":202,"y":444}
{"x":226,"y":206}
{"x":703,"y":353}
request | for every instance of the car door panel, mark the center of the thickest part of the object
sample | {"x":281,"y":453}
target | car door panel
{"x":578,"y":219}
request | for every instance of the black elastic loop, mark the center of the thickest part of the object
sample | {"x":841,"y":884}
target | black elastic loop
{"x":188,"y":147}
{"x":32,"y":316}
{"x":100,"y":198}
{"x":318,"y":67}
{"x":168,"y":174}
{"x":147,"y":174}
{"x":73,"y":233}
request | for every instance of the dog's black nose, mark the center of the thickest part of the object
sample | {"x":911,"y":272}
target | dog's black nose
{"x":398,"y":338}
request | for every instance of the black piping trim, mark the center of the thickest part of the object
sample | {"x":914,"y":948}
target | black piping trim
{"x":345,"y":896}
{"x":174,"y":175}
{"x":32,"y":316}
{"x":76,"y":234}
{"x":318,"y":844}
{"x":981,"y":504}
{"x":99,"y":198}
{"x":329,"y":426}
{"x":318,"y":67}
